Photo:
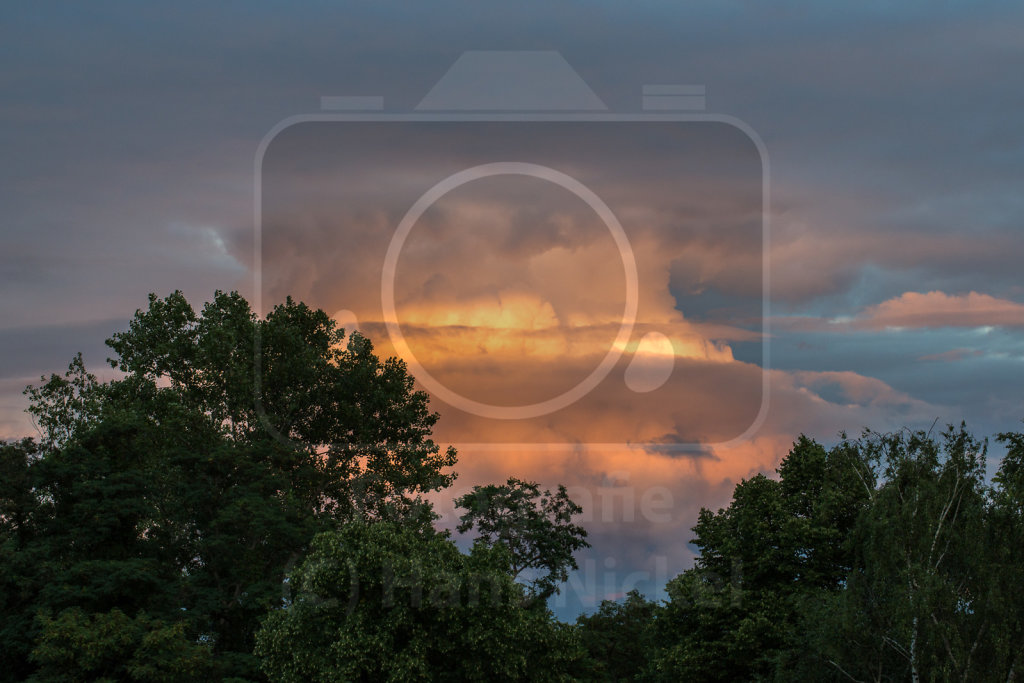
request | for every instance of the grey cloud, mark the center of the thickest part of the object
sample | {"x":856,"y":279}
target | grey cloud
{"x":29,"y":352}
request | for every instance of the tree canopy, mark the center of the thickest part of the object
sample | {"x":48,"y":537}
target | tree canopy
{"x":535,"y":529}
{"x":885,"y":558}
{"x":390,"y":602}
{"x":186,"y":488}
{"x":246,"y":501}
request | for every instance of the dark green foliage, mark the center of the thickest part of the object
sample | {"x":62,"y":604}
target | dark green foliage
{"x":535,"y":529}
{"x":20,"y":509}
{"x":101,"y":508}
{"x":912,"y":605}
{"x":387,"y":602}
{"x":618,"y":638}
{"x":1004,"y":568}
{"x":186,"y":489}
{"x":65,"y":404}
{"x":734,"y":616}
{"x":110,"y":646}
{"x":291,"y":377}
{"x":886,"y":558}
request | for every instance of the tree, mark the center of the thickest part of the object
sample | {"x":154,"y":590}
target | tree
{"x":535,"y":529}
{"x":884,"y":558}
{"x":1004,"y":600}
{"x":726,"y":619}
{"x":185,"y":489}
{"x":257,"y":486}
{"x":293,"y":377}
{"x":736,"y":614}
{"x":388,"y":602}
{"x":619,"y":638}
{"x":19,"y":513}
{"x":111,"y":646}
{"x":65,"y":404}
{"x":910,"y":607}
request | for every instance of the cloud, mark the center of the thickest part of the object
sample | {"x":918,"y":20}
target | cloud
{"x":916,"y":310}
{"x":640,"y":499}
{"x":639,"y":503}
{"x":937,"y":309}
{"x":510,"y":290}
{"x":836,"y":248}
{"x":952,"y":355}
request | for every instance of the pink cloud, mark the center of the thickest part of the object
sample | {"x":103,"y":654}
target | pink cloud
{"x":917,"y":310}
{"x":938,"y":309}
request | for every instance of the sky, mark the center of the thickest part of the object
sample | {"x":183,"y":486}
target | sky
{"x":890,"y":138}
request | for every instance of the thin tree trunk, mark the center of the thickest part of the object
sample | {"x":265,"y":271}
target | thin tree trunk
{"x":914,"y":676}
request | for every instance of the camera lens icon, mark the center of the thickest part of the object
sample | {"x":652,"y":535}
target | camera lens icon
{"x":439,"y":389}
